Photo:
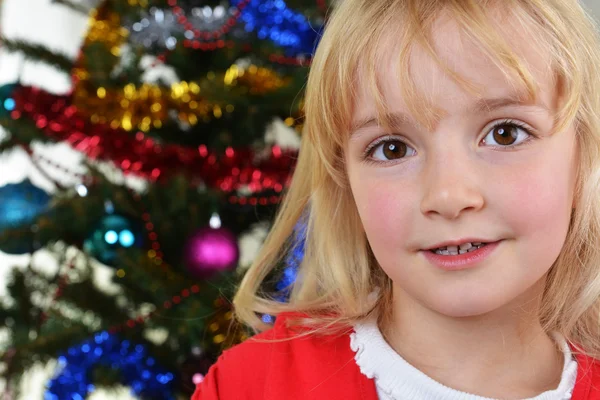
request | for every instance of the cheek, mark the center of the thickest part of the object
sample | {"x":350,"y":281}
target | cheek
{"x":537,"y":208}
{"x":539,"y":199}
{"x":387,"y":211}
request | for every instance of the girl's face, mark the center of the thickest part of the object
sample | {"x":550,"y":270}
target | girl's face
{"x":490,"y":169}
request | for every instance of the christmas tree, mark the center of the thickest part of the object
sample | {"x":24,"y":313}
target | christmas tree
{"x":179,"y":166}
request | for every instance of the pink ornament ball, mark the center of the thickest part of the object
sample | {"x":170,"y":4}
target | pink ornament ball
{"x":209,"y":251}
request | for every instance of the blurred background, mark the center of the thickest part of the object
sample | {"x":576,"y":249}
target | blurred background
{"x":144,"y":149}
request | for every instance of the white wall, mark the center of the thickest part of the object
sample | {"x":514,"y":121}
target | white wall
{"x":594,"y":6}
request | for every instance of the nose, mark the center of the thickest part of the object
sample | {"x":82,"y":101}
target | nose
{"x":450,"y":185}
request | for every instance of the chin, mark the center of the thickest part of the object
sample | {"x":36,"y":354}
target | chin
{"x":472,"y":305}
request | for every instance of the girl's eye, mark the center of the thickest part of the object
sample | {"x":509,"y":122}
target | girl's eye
{"x":507,"y":134}
{"x":389,"y":149}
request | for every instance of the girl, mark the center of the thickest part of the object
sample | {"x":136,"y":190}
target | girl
{"x":449,"y":180}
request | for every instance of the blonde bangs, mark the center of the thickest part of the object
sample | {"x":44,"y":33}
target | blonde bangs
{"x":357,"y":57}
{"x":339,"y":272}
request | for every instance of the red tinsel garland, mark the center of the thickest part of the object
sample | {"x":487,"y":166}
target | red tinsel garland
{"x":240,"y":168}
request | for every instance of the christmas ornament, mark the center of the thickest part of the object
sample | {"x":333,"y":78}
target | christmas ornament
{"x":135,"y":369}
{"x":211,"y":250}
{"x":273,"y":20}
{"x":156,"y":28}
{"x":7,"y":101}
{"x":113,"y":233}
{"x":21,"y":204}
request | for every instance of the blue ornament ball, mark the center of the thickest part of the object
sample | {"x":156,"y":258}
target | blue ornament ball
{"x":20,"y":205}
{"x":114,"y":232}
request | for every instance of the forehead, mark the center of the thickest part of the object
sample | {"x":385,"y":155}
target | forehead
{"x":468,"y":58}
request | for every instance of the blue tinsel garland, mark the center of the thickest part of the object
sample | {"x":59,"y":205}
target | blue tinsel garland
{"x":139,"y":371}
{"x":273,"y":20}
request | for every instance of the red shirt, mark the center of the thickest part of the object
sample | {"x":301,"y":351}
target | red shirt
{"x":316,"y":367}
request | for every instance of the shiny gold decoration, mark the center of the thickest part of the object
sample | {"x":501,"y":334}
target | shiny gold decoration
{"x":147,"y":106}
{"x":142,"y":107}
{"x":259,"y":80}
{"x":218,"y":339}
{"x":105,"y":27}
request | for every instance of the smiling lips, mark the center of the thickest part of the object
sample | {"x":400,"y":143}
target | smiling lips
{"x":454,"y":258}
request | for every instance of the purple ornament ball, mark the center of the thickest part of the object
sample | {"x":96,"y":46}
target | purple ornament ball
{"x":209,"y":251}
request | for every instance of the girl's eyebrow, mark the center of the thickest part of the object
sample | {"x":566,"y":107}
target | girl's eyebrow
{"x":480,"y":106}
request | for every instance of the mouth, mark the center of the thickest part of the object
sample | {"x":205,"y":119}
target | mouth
{"x":453,"y":257}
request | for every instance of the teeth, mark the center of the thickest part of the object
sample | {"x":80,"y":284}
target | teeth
{"x":466,"y":246}
{"x":456,"y":250}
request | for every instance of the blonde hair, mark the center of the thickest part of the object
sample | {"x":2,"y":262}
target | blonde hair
{"x":339,"y":271}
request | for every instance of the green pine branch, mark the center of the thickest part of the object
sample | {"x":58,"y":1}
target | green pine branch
{"x":38,"y":52}
{"x":85,"y":296}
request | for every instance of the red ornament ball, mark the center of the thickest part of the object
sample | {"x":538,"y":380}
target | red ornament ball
{"x":209,"y":251}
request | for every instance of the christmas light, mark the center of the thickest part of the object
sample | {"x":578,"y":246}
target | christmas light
{"x":81,"y":190}
{"x":111,"y":237}
{"x":126,"y":238}
{"x":9,"y":104}
{"x":215,"y":221}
